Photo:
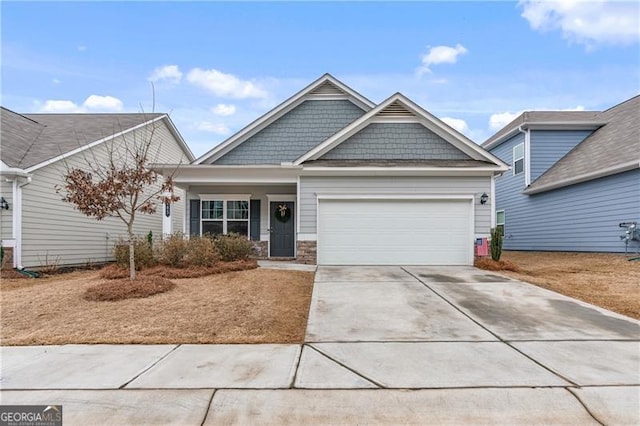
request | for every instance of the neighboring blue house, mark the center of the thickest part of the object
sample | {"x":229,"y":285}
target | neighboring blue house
{"x":575,"y":176}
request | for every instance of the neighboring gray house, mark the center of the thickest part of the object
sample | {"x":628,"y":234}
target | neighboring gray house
{"x":575,"y":176}
{"x":329,"y":177}
{"x":37,"y":228}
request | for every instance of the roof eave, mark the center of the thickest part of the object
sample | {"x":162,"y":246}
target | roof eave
{"x":544,"y":125}
{"x":635,"y":164}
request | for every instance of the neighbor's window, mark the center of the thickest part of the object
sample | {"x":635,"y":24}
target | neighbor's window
{"x":225,"y":216}
{"x":518,"y":159}
{"x":500,"y":220}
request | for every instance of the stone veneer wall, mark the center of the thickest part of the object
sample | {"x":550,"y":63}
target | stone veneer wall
{"x":262,"y":249}
{"x":306,"y":252}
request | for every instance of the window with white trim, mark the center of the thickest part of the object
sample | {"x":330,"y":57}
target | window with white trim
{"x":225,"y":217}
{"x":518,"y":159}
{"x":500,"y":219}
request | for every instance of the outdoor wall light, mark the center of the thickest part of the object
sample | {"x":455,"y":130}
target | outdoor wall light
{"x":3,"y":204}
{"x":483,"y":198}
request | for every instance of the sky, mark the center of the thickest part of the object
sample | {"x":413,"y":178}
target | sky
{"x":217,"y":66}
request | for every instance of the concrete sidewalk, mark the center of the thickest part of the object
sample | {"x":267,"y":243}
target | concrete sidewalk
{"x":385,"y":345}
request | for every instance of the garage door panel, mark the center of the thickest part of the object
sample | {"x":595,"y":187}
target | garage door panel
{"x":411,"y":232}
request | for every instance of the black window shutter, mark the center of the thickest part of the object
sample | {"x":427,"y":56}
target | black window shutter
{"x":194,"y":217}
{"x":254,"y":220}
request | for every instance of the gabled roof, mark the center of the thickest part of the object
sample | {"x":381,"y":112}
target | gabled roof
{"x":400,"y":108}
{"x":325,"y":87}
{"x":613,"y":148}
{"x":583,"y":120}
{"x":29,"y":141}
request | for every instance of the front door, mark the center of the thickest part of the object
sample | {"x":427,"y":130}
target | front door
{"x":282,"y":220}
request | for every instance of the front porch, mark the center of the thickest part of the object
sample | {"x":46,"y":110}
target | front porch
{"x":259,"y":202}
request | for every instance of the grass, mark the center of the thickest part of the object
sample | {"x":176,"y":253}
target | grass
{"x":606,"y":280}
{"x":123,"y":288}
{"x":251,"y":306}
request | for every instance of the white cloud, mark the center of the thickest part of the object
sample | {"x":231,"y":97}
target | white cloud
{"x":441,"y":55}
{"x":102,"y":103}
{"x":56,"y":81}
{"x":458,"y":124}
{"x":225,"y":85}
{"x":54,"y":105}
{"x":499,"y":120}
{"x":224,"y":109}
{"x":166,"y":72}
{"x":217,"y":128}
{"x":591,"y":23}
{"x":81,"y":48}
{"x":93,"y":103}
{"x":576,"y":108}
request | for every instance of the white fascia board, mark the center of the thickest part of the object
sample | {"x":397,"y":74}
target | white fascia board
{"x":399,"y":171}
{"x":277,"y":112}
{"x":635,"y":164}
{"x":209,"y":174}
{"x":425,"y":118}
{"x":92,"y":144}
{"x":392,"y":196}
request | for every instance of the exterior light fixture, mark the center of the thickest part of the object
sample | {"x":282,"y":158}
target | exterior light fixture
{"x":3,"y":204}
{"x":483,"y":198}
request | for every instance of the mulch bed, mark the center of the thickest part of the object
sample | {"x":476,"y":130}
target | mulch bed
{"x":489,"y":264}
{"x":114,"y":271}
{"x":124,"y":288}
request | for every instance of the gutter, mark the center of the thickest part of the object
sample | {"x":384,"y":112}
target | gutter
{"x":635,"y":164}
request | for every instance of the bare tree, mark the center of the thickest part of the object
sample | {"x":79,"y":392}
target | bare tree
{"x":122,"y":186}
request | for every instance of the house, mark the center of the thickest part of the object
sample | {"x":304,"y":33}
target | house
{"x":575,"y":177}
{"x":329,"y":177}
{"x":37,"y":228}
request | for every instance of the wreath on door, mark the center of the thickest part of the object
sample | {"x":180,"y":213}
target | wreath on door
{"x":283,"y":213}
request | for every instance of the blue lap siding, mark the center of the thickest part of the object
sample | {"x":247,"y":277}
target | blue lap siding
{"x":580,"y":217}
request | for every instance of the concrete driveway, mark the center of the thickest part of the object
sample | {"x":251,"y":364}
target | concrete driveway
{"x":384,"y":345}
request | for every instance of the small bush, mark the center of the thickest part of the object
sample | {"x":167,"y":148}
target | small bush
{"x":142,"y":253}
{"x":234,"y":247}
{"x":201,"y":251}
{"x":172,"y":250}
{"x":141,"y":287}
{"x":496,"y":243}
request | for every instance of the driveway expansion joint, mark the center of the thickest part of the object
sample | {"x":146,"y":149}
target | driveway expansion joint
{"x":357,"y":373}
{"x":206,"y":412}
{"x":153,"y":364}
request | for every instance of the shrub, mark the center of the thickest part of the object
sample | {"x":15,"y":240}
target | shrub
{"x":200,"y":251}
{"x":142,"y":253}
{"x":172,"y":250}
{"x":496,"y":243}
{"x":234,"y":247}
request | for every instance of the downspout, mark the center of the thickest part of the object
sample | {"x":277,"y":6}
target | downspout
{"x":17,"y":220}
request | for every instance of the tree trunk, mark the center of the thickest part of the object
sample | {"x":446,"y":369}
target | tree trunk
{"x":132,"y":261}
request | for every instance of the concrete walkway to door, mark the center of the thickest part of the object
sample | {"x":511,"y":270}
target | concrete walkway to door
{"x":384,"y":345}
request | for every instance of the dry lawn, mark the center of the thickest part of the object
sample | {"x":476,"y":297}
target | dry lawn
{"x":606,"y":280}
{"x":253,"y":306}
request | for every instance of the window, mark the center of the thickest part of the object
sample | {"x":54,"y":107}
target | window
{"x":225,"y":216}
{"x":518,"y":159}
{"x":500,"y":220}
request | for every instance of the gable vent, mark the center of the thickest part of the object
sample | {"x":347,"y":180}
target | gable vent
{"x":327,"y":88}
{"x":396,"y":109}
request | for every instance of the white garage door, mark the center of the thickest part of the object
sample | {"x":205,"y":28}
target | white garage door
{"x":395,"y":232}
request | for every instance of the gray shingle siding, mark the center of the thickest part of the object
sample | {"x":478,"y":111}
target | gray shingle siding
{"x":548,"y":146}
{"x":396,"y":141}
{"x":581,"y":217}
{"x":295,"y":133}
